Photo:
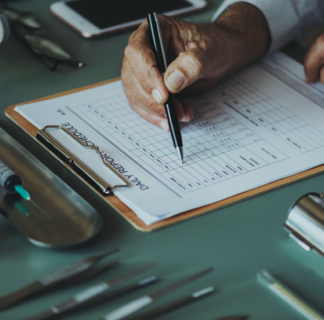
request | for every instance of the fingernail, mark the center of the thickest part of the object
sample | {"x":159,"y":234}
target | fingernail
{"x":164,"y":125}
{"x":157,"y":95}
{"x":175,"y":79}
{"x":185,"y":117}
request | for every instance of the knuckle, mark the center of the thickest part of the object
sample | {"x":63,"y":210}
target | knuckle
{"x":131,"y":49}
{"x":309,"y":63}
{"x":204,"y":45}
{"x":154,"y":108}
{"x":151,"y":105}
{"x":130,"y":99}
{"x":145,"y":78}
{"x":152,"y":119}
{"x":322,"y":75}
{"x":320,"y":41}
{"x":124,"y":73}
{"x":193,"y":31}
{"x":133,"y":106}
{"x":126,"y":77}
{"x":196,"y":63}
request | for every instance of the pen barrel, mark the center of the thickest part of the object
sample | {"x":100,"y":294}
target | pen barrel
{"x":157,"y":41}
{"x":170,"y":109}
{"x":173,"y":122}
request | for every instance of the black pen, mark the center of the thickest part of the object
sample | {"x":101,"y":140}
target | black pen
{"x":170,"y":108}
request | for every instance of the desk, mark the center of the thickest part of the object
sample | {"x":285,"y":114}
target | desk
{"x":237,"y":241}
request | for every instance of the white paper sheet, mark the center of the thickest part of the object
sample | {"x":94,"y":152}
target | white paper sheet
{"x":264,"y":124}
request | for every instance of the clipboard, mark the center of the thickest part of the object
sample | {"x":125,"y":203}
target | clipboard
{"x":124,"y":210}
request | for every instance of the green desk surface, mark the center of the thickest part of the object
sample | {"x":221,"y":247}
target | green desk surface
{"x":237,"y":241}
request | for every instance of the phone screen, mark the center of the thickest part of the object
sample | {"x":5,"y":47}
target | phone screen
{"x":105,"y":13}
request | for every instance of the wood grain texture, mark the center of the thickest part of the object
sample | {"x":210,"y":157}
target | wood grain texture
{"x":124,"y":210}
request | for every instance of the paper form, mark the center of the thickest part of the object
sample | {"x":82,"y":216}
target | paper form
{"x":263,"y":124}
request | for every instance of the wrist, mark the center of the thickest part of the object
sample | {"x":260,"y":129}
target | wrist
{"x":247,"y":33}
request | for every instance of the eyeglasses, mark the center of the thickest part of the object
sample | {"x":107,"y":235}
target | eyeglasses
{"x":24,"y":25}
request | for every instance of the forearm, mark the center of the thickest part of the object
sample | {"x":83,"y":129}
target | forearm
{"x":288,"y":20}
{"x":249,"y":34}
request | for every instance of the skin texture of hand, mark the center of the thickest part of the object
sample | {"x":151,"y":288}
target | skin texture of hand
{"x":200,"y":56}
{"x":314,"y":61}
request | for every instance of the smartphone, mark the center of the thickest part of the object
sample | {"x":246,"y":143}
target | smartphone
{"x":94,"y":18}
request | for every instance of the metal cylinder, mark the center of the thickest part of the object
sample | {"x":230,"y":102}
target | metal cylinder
{"x":305,"y":221}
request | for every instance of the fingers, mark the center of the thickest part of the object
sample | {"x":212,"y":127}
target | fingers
{"x":200,"y":57}
{"x":188,"y":112}
{"x":138,"y":98}
{"x":141,"y":58}
{"x":186,"y":69}
{"x":136,"y":94}
{"x":314,"y":61}
{"x":145,"y":107}
{"x":143,"y":82}
{"x":322,"y":75}
{"x":152,"y":118}
{"x":144,"y":104}
{"x":159,"y":121}
{"x":185,"y":112}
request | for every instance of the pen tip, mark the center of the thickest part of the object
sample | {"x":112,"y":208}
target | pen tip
{"x":180,"y":153}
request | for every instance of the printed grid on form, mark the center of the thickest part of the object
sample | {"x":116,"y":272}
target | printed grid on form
{"x":216,"y":146}
{"x":265,"y":111}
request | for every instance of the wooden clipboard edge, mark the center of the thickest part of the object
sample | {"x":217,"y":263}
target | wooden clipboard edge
{"x":113,"y":201}
{"x":124,"y":210}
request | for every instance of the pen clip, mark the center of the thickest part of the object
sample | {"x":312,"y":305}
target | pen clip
{"x":157,"y":40}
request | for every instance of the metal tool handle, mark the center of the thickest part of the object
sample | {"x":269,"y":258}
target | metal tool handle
{"x":20,"y":294}
{"x":48,"y":314}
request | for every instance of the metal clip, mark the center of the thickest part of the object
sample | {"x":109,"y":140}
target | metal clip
{"x":78,"y":165}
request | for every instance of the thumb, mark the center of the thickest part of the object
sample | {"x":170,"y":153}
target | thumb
{"x":186,"y":69}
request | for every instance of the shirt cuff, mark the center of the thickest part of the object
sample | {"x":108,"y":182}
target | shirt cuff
{"x":282,"y":20}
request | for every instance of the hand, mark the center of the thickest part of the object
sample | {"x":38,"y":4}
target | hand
{"x":201,"y":55}
{"x":314,"y":61}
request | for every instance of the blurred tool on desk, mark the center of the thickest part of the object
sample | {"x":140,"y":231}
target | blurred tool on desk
{"x":24,"y":24}
{"x":11,"y":181}
{"x":4,"y":28}
{"x":94,"y":294}
{"x":56,"y":217}
{"x":76,"y":272}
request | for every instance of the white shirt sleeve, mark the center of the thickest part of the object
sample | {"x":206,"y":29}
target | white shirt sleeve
{"x":287,"y":19}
